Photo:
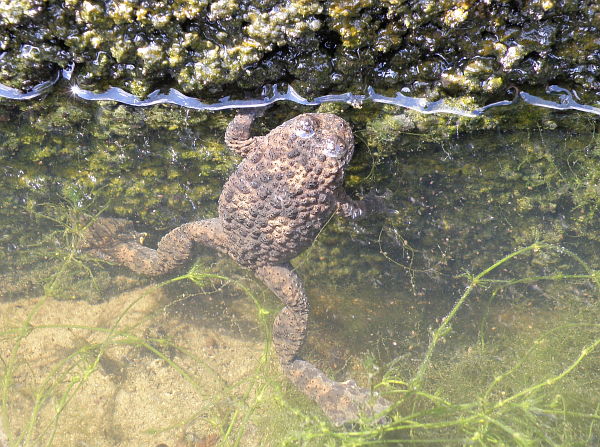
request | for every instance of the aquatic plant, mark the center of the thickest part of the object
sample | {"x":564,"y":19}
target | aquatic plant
{"x":477,"y":392}
{"x":534,"y":395}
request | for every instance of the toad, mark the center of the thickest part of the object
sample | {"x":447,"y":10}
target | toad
{"x":272,"y":207}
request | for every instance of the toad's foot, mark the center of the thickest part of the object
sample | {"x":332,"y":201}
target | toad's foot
{"x":372,"y":203}
{"x":107,"y":237}
{"x":376,"y":203}
{"x":342,"y":402}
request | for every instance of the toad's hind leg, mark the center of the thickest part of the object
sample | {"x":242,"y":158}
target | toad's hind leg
{"x":340,"y":401}
{"x":115,"y":240}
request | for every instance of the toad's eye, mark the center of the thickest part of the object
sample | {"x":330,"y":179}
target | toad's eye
{"x":306,"y":127}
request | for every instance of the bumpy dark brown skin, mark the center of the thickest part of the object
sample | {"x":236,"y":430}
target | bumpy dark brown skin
{"x":271,"y":208}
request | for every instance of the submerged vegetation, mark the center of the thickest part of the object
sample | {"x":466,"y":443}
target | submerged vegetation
{"x":528,"y":391}
{"x":501,"y":367}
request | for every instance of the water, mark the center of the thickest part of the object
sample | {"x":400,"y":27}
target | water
{"x":92,"y":354}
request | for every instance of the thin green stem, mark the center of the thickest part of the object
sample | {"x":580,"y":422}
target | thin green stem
{"x":444,"y":328}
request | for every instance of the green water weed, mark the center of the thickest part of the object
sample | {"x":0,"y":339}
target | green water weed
{"x":512,"y":403}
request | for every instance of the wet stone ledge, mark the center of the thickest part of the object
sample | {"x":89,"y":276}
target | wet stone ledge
{"x":436,"y":49}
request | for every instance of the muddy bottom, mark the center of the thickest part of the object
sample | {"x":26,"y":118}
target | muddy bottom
{"x":127,"y":372}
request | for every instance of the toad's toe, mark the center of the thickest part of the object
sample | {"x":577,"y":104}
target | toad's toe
{"x":346,"y":402}
{"x":342,"y":402}
{"x":107,"y":234}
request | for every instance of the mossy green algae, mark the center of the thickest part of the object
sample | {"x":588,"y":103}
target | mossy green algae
{"x":438,"y":49}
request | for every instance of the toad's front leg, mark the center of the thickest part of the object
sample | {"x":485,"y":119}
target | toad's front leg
{"x":238,"y":136}
{"x":356,"y":209}
{"x":341,"y":402}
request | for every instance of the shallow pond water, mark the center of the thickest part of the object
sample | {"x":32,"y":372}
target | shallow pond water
{"x":474,"y":308}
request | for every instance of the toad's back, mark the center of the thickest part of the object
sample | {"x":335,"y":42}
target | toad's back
{"x":283,"y":192}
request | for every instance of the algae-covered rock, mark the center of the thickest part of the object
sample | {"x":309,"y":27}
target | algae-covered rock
{"x":205,"y":47}
{"x":141,"y":161}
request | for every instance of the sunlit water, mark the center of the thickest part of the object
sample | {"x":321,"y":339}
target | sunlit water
{"x":95,"y":355}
